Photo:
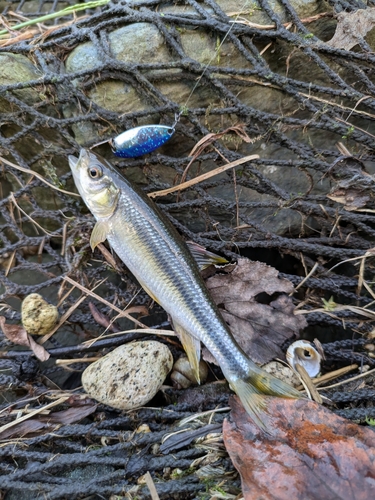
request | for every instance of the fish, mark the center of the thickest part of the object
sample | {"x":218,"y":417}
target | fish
{"x":152,"y":249}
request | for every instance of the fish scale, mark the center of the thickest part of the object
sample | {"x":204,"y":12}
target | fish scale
{"x":151,"y":248}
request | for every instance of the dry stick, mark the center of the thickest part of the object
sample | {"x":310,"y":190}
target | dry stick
{"x":203,"y":177}
{"x":35,"y":174}
{"x":33,"y":413}
{"x":67,"y":362}
{"x":97,"y":297}
{"x":148,"y":331}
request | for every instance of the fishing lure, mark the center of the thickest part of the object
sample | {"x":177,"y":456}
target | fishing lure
{"x":141,"y":140}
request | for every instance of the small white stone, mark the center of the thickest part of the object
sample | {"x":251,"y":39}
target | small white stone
{"x":282,"y":372}
{"x":129,"y":376}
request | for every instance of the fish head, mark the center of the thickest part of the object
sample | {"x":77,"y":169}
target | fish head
{"x":94,"y":181}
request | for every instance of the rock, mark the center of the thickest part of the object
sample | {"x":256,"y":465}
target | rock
{"x":38,"y":316}
{"x":129,"y":376}
{"x":138,"y":42}
{"x":252,"y":11}
{"x":282,"y":372}
{"x":183,"y":375}
{"x":16,"y":68}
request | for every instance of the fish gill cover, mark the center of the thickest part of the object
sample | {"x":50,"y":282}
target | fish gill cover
{"x":291,"y":82}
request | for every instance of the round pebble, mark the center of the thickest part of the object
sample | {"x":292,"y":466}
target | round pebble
{"x":38,"y":316}
{"x":130,"y":375}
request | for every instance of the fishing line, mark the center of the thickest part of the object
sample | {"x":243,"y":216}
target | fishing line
{"x":145,"y":139}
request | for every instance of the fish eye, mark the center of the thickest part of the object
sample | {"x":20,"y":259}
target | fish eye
{"x":95,"y":172}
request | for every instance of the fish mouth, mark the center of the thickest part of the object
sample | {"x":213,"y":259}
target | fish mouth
{"x":75,"y":164}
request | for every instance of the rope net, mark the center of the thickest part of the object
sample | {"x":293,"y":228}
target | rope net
{"x":259,"y":78}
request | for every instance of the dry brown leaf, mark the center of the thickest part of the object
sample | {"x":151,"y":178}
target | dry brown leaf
{"x":311,"y":453}
{"x":352,"y":199}
{"x":352,"y":27}
{"x":260,"y":329}
{"x":18,"y":335}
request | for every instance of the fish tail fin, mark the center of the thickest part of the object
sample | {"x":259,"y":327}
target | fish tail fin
{"x":253,"y":401}
{"x":272,"y":386}
{"x":254,"y":389}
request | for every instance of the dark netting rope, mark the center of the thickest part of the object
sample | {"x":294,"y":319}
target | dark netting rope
{"x":40,"y":129}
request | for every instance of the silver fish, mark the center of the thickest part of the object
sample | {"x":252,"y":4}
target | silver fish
{"x":160,"y":260}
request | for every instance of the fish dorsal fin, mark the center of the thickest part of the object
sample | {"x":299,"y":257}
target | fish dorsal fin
{"x":99,"y":234}
{"x":204,"y":258}
{"x":192,"y":348}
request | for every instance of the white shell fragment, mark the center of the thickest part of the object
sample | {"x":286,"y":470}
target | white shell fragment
{"x":130,"y":375}
{"x":304,"y":353}
{"x":38,"y":316}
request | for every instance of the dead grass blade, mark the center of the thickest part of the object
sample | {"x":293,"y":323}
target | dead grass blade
{"x":38,"y":176}
{"x":121,"y":313}
{"x":203,"y":177}
{"x":151,"y":486}
{"x":33,"y":413}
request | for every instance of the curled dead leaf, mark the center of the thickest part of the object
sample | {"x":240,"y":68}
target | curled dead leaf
{"x":260,"y":329}
{"x":18,"y":335}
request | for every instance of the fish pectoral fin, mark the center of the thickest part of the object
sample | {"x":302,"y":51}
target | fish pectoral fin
{"x":192,"y":348}
{"x":204,"y":258}
{"x":99,"y":234}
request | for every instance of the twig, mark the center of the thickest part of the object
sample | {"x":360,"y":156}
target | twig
{"x":203,"y":177}
{"x":66,"y":362}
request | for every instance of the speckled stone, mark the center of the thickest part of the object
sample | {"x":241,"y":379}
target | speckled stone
{"x":129,"y":376}
{"x":38,"y":316}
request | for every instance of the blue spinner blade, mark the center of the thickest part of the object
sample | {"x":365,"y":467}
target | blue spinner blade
{"x":140,"y":140}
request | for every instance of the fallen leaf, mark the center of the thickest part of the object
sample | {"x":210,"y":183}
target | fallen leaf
{"x":49,"y":422}
{"x":260,"y":329}
{"x":311,"y":454}
{"x":18,"y":335}
{"x":352,"y":199}
{"x":352,"y":27}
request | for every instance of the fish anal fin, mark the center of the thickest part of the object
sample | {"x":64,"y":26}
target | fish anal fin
{"x":99,"y":234}
{"x":204,"y":258}
{"x":192,"y":348}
